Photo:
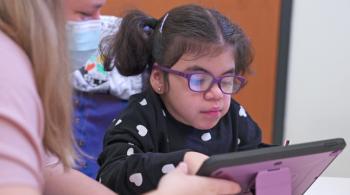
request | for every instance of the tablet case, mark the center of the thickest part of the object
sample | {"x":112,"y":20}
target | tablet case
{"x":279,"y":170}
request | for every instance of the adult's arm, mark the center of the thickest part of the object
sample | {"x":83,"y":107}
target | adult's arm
{"x":18,"y":190}
{"x":71,"y":182}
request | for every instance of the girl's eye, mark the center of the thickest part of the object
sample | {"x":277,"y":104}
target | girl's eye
{"x":198,"y":79}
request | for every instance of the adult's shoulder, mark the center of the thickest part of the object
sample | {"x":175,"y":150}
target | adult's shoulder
{"x":17,"y":83}
{"x":14,"y":63}
{"x":21,"y":118}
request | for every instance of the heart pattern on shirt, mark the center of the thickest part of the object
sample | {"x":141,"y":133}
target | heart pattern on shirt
{"x":143,"y":102}
{"x":130,"y":151}
{"x":167,"y":168}
{"x":206,"y":137}
{"x":242,"y":112}
{"x":118,"y":122}
{"x":142,"y":130}
{"x":136,"y":178}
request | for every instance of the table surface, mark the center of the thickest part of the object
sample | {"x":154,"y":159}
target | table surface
{"x":330,"y":186}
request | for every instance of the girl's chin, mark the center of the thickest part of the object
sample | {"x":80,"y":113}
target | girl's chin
{"x":206,"y":125}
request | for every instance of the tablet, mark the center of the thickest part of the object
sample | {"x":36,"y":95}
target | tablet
{"x":275,"y":170}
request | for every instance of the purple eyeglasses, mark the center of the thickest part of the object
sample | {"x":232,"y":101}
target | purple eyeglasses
{"x":202,"y":81}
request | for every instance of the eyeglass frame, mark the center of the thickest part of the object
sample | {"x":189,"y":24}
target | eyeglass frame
{"x":216,"y":80}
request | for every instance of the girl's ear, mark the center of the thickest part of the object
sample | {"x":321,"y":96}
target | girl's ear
{"x":157,"y":81}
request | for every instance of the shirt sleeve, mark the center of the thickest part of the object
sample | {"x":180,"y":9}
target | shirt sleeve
{"x":132,"y":161}
{"x":21,"y":119}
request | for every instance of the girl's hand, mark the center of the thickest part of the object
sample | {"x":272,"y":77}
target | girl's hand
{"x":194,"y":160}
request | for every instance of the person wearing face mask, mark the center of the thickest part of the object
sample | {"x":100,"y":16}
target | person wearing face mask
{"x":84,"y":28}
{"x":100,"y":95}
{"x":83,"y":39}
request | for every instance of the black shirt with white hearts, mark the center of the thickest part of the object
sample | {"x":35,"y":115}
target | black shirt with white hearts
{"x":146,"y":142}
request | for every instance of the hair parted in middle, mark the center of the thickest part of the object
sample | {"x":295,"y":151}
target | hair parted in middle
{"x":188,"y":29}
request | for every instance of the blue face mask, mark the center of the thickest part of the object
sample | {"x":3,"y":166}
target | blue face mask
{"x":83,"y":39}
{"x":83,"y":35}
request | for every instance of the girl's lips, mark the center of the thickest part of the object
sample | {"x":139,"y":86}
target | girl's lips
{"x":213,"y":112}
{"x":213,"y":109}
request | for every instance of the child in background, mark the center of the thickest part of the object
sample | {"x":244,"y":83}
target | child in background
{"x":195,"y":58}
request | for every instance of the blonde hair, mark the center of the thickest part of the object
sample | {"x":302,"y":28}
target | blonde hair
{"x":37,"y":26}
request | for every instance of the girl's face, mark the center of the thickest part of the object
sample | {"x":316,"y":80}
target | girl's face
{"x":201,"y":110}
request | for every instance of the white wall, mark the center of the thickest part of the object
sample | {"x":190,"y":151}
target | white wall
{"x":318,"y":89}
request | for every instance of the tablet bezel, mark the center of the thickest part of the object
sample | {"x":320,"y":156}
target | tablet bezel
{"x":225,"y":165}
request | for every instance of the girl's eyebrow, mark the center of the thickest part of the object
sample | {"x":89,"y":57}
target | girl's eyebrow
{"x":198,"y":68}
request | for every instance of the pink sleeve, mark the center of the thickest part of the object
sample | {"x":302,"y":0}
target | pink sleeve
{"x":21,"y":119}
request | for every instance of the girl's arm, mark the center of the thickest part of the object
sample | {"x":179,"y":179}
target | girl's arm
{"x":127,"y":168}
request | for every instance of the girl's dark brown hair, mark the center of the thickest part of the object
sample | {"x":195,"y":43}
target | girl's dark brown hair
{"x":188,"y":29}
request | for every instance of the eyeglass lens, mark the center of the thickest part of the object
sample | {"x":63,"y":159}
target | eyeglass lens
{"x":200,"y":82}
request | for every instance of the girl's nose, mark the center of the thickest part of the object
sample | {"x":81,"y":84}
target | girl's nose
{"x":214,"y":92}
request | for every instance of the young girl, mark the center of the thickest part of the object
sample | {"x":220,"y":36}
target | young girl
{"x":195,"y":58}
